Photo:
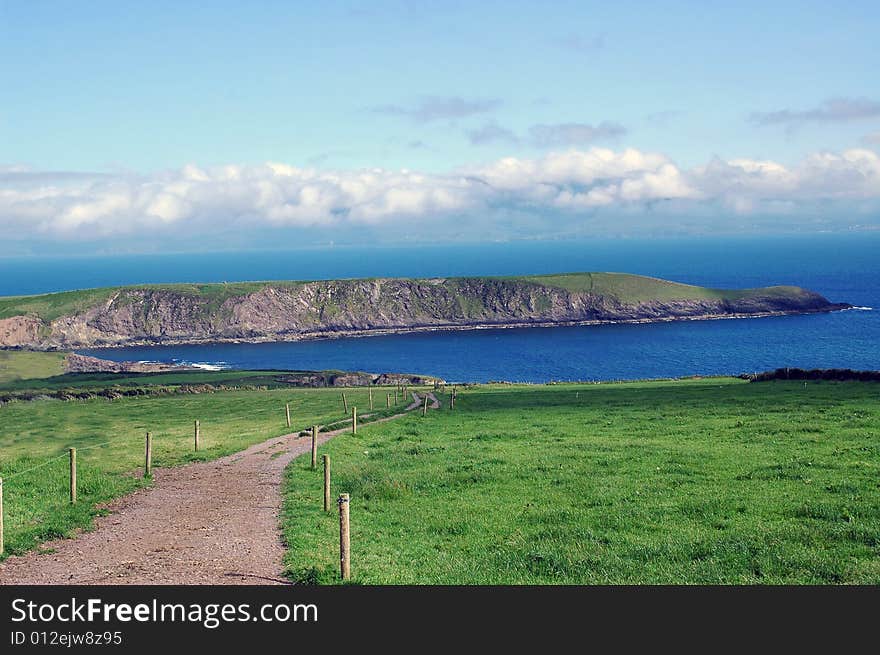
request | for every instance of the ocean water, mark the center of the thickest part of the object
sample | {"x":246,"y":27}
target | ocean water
{"x":843,"y":267}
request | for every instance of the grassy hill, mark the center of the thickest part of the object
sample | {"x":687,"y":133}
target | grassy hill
{"x":50,"y":306}
{"x":638,"y":288}
{"x":624,"y":287}
{"x":711,"y":480}
{"x":706,"y":481}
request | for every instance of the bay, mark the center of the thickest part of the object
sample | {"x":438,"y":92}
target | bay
{"x":843,"y":267}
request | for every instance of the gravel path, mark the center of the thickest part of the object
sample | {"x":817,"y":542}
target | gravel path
{"x":204,"y":523}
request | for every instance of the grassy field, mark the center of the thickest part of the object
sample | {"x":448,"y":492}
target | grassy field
{"x":637,"y":288}
{"x":702,"y":481}
{"x":109,"y":437}
{"x":696,"y":481}
{"x":50,"y":306}
{"x":16,"y":365}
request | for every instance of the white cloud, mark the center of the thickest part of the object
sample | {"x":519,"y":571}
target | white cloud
{"x":558,"y":187}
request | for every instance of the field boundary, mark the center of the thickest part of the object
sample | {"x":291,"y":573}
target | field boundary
{"x":214,"y":522}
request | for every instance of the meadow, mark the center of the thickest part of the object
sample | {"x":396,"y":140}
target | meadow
{"x":715,"y":481}
{"x":712,"y":480}
{"x":17,"y":366}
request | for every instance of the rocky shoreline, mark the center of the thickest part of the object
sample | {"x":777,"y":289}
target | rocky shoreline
{"x":76,"y":363}
{"x":375,"y":332}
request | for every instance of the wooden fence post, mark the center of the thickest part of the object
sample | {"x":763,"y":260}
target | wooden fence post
{"x":73,"y":476}
{"x":344,"y":402}
{"x":344,"y":537}
{"x":326,"y":459}
{"x":314,"y":447}
{"x":354,"y":420}
{"x":287,"y":413}
{"x":425,"y":408}
{"x":396,"y":395}
{"x":197,"y":428}
{"x":1,"y":516}
{"x":371,"y":398}
{"x":388,"y":400}
{"x":148,"y":456}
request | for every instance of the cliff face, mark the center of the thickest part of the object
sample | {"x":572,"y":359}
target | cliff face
{"x":289,"y":311}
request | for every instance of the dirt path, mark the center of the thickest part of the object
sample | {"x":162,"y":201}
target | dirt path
{"x":204,"y":523}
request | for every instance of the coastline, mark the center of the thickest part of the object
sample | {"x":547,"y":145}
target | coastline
{"x":450,"y":327}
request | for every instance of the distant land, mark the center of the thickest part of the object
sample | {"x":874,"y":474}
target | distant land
{"x":171,"y":314}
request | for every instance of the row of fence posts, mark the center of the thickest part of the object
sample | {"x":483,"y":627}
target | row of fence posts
{"x":343,"y":501}
{"x":72,"y":483}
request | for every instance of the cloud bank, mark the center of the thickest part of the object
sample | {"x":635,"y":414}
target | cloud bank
{"x":548,"y":193}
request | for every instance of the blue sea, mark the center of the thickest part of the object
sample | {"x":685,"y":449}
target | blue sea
{"x":843,"y":267}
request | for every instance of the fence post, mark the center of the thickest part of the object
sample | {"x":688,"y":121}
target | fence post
{"x":388,"y":400}
{"x":344,"y":537}
{"x":1,"y":516}
{"x":354,"y":420}
{"x":148,"y":456}
{"x":314,"y":447}
{"x":344,"y":402}
{"x":196,"y":429}
{"x":287,"y":413}
{"x":425,"y":407}
{"x":371,"y":398}
{"x":73,"y":476}
{"x":326,"y":459}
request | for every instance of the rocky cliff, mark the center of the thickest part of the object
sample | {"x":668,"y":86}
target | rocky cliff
{"x":278,"y":311}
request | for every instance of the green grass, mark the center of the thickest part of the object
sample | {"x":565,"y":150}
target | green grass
{"x":53,"y":305}
{"x":38,"y":434}
{"x":704,"y":481}
{"x":50,"y":306}
{"x":637,"y":288}
{"x":16,"y":365}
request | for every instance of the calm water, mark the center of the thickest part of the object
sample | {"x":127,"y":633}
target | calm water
{"x":841,"y":267}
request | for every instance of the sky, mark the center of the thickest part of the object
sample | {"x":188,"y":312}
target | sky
{"x":130,"y":127}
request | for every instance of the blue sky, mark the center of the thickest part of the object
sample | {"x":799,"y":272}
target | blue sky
{"x":139,"y":91}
